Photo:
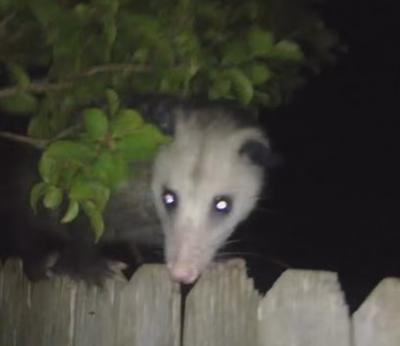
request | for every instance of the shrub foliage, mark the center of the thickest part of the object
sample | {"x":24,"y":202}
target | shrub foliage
{"x":59,"y":56}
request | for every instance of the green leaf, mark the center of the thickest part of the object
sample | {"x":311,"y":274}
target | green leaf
{"x":287,"y":50}
{"x":221,"y":87}
{"x":141,"y":55}
{"x":62,"y":160}
{"x":37,"y":191}
{"x":19,"y":75}
{"x":39,"y":127}
{"x":163,"y":56}
{"x":53,"y":197}
{"x":20,"y":103}
{"x":126,"y":121}
{"x":242,"y":85}
{"x":95,"y":217}
{"x":261,"y":42}
{"x":45,"y":11}
{"x":113,"y":101}
{"x":235,"y":53}
{"x":83,"y":11}
{"x":72,"y":211}
{"x":49,"y":169}
{"x":65,"y":150}
{"x":83,"y":190}
{"x":175,"y":79}
{"x":103,"y":168}
{"x":96,"y":123}
{"x":69,"y":171}
{"x":110,"y":169}
{"x":258,"y":73}
{"x":110,"y":31}
{"x":142,"y":145}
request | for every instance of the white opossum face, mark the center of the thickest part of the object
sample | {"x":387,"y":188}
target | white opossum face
{"x":203,"y":186}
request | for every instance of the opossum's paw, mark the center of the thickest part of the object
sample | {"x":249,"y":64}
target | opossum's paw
{"x":92,"y":270}
{"x":41,"y":267}
{"x":117,"y":270}
{"x":124,"y":258}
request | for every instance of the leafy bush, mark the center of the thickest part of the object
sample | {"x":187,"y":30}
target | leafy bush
{"x":59,"y":56}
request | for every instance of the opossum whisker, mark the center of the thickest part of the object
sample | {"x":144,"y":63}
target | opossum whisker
{"x":227,"y":255}
{"x":231,"y":241}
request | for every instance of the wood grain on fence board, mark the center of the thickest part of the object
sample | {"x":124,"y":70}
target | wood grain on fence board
{"x":145,"y":311}
{"x":303,"y":308}
{"x":222,"y":308}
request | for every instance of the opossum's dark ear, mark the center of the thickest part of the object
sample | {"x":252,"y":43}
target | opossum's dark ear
{"x":260,"y":154}
{"x":157,"y":109}
{"x":161,"y":114}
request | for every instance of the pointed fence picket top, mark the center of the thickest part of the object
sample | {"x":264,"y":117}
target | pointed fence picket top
{"x":150,"y":310}
{"x":304,"y":308}
{"x":145,"y":311}
{"x":377,"y":321}
{"x":221,"y":309}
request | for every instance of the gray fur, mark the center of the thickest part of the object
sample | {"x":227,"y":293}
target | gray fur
{"x":213,"y":153}
{"x":204,"y":160}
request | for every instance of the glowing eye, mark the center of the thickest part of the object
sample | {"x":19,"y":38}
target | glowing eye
{"x":222,"y":204}
{"x":169,"y":198}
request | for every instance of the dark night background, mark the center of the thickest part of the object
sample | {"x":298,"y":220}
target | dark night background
{"x":334,"y":199}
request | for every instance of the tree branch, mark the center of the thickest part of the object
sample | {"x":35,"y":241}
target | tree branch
{"x":36,"y":88}
{"x":42,"y":87}
{"x":39,"y":143}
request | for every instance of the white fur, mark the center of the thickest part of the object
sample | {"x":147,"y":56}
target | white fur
{"x":203,"y":162}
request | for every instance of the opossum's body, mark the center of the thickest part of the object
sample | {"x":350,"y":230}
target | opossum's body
{"x":203,"y":184}
{"x":48,"y":247}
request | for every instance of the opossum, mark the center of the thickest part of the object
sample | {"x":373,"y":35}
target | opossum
{"x":204,"y":184}
{"x":190,"y":199}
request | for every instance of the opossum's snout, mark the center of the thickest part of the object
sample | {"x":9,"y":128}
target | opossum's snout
{"x":183,"y":274}
{"x":186,"y":257}
{"x":188,"y":252}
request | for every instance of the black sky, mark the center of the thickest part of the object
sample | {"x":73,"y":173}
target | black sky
{"x":335,"y":198}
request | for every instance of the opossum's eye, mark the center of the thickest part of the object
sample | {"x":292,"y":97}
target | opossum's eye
{"x":169,"y":199}
{"x":222,"y":204}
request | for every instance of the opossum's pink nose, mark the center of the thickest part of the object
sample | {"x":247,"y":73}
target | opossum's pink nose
{"x":182,"y":274}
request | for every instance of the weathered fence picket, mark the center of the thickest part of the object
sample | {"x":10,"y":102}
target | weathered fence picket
{"x":145,"y":311}
{"x":215,"y":311}
{"x":303,"y":308}
{"x":377,"y":321}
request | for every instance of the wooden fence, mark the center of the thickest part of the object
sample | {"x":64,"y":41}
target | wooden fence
{"x":303,"y":308}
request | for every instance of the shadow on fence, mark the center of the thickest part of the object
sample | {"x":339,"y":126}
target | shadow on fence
{"x":303,"y":308}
